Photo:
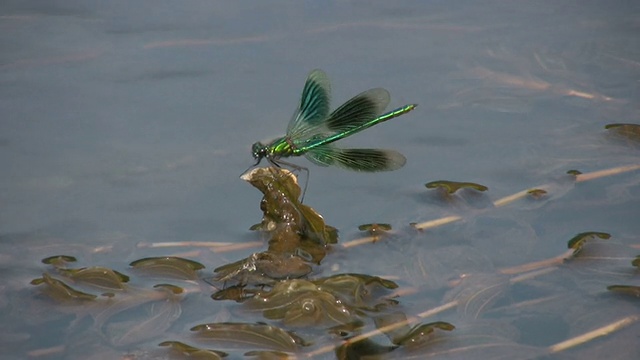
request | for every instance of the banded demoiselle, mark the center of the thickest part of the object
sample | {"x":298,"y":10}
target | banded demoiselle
{"x":312,"y":130}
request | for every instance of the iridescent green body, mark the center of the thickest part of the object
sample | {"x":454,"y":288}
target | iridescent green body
{"x":312,"y":130}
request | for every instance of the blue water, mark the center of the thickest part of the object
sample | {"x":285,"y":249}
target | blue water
{"x":125,"y":122}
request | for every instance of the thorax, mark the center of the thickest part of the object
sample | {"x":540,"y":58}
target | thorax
{"x":282,"y":147}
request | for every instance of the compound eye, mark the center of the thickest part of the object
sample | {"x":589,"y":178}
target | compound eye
{"x":257,"y":150}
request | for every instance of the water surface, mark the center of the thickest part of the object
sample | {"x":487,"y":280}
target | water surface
{"x":125,"y":123}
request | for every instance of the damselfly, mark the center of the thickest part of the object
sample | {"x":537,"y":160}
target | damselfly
{"x":312,"y":130}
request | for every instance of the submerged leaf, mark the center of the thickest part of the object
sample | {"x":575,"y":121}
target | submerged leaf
{"x":313,"y":308}
{"x":349,"y":279}
{"x":270,"y":178}
{"x":263,"y":269}
{"x":537,"y":193}
{"x":355,"y":290}
{"x":330,"y":234}
{"x":393,"y":325}
{"x":452,"y":186}
{"x":169,"y":287}
{"x":171,"y":266}
{"x":630,"y":131}
{"x":375,"y":228}
{"x":60,"y":291}
{"x":260,"y":335}
{"x":420,"y":334}
{"x":346,"y":330}
{"x":301,"y":303}
{"x":363,"y":349}
{"x":291,"y":224}
{"x":97,"y":276}
{"x":237,"y":293}
{"x":58,"y":260}
{"x":577,"y":242}
{"x":269,"y":355}
{"x":282,"y":294}
{"x":193,"y":352}
{"x":625,"y":289}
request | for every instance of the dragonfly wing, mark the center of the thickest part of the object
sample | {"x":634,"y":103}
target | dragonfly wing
{"x":369,"y":160}
{"x":309,"y":117}
{"x":359,"y":110}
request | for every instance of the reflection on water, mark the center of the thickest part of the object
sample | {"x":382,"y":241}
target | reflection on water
{"x":124,"y":127}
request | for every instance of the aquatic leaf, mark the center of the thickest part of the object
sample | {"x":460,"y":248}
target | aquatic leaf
{"x":237,"y":293}
{"x":193,"y":352}
{"x":260,"y":335}
{"x":291,"y":224}
{"x":421,"y":334}
{"x":363,"y":349}
{"x":577,"y":242}
{"x":375,"y":228}
{"x":279,"y":267}
{"x":171,"y":266}
{"x":316,"y":308}
{"x":625,"y":289}
{"x":630,"y":131}
{"x":281,"y":294}
{"x":306,"y":311}
{"x":385,"y":305}
{"x":60,"y":291}
{"x":270,"y":178}
{"x":537,"y":193}
{"x":389,"y":324}
{"x":300,"y":303}
{"x":256,"y":227}
{"x":346,"y":330}
{"x":263,"y":269}
{"x":452,"y":186}
{"x":355,"y":290}
{"x":169,"y":287}
{"x":269,"y":355}
{"x":97,"y":276}
{"x":313,"y":226}
{"x":574,"y":172}
{"x":636,"y":261}
{"x":347,"y":285}
{"x":58,"y":260}
{"x":330,"y":234}
{"x":336,"y":280}
{"x":303,"y":254}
